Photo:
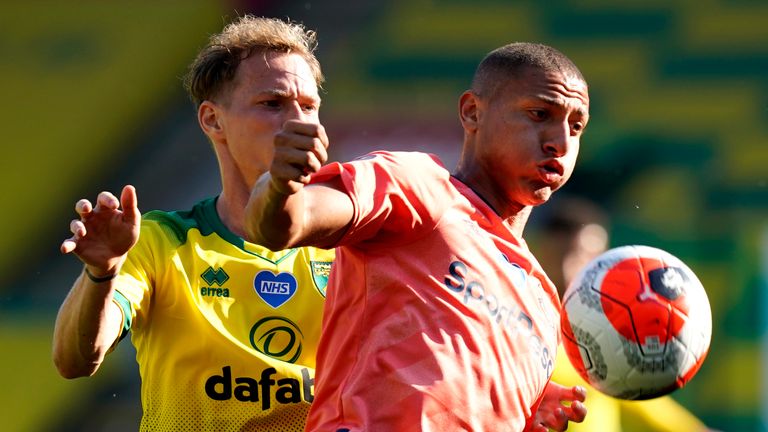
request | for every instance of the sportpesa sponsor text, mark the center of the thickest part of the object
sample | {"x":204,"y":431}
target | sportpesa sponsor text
{"x":508,"y":315}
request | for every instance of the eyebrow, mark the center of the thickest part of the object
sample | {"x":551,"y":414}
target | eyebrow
{"x":287,"y":94}
{"x":560,"y":104}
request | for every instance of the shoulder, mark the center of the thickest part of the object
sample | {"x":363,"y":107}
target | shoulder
{"x":175,"y":225}
{"x":400,"y":167}
{"x":383,"y":169}
{"x":403,"y":159}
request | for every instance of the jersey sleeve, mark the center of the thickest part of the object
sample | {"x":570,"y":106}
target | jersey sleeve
{"x":391,"y":193}
{"x":136,"y":278}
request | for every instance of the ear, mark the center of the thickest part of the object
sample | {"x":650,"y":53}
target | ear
{"x":210,"y":120}
{"x":469,"y":111}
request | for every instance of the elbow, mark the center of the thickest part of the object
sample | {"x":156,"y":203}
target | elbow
{"x":71,"y":371}
{"x":70,"y":368}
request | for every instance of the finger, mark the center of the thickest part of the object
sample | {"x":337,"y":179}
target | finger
{"x":322,"y":136}
{"x":568,"y":394}
{"x":314,"y":160}
{"x":289,"y":173}
{"x":578,"y":393}
{"x":305,"y":128}
{"x":291,"y":139}
{"x":77,"y":228}
{"x":321,"y":146}
{"x":106,"y":200}
{"x":308,"y":160}
{"x":83,"y":207}
{"x":310,"y":137}
{"x":558,"y":420}
{"x":576,"y":412}
{"x":129,"y":201}
{"x":68,"y":245}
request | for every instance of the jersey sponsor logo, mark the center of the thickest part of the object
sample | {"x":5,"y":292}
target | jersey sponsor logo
{"x":214,"y":277}
{"x":218,"y":276}
{"x":275,"y":289}
{"x":509,"y":315}
{"x":214,"y":292}
{"x":516,"y":273}
{"x":320,"y":272}
{"x":277,"y":337}
{"x":225,"y":386}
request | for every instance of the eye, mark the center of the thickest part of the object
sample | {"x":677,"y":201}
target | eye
{"x":538,"y":114}
{"x":270,"y":103}
{"x":309,"y":107}
{"x":577,"y":128}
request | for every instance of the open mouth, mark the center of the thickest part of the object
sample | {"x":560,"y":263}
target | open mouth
{"x":551,"y":171}
{"x":552,"y":166}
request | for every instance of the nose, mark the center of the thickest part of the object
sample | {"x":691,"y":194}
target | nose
{"x":293,"y":111}
{"x":556,"y":140}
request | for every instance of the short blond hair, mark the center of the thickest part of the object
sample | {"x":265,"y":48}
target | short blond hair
{"x":216,"y":64}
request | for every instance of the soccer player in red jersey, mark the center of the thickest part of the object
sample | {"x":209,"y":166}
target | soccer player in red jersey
{"x":438,"y":317}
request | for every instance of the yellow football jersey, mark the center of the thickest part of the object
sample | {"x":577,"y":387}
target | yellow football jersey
{"x":225,"y":331}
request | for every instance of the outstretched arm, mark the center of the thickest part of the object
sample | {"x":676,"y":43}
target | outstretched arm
{"x":558,"y":406}
{"x":88,"y":322}
{"x":284,"y":211}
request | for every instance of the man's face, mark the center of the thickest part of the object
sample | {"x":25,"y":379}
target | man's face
{"x":528,"y":134}
{"x":267,"y":91}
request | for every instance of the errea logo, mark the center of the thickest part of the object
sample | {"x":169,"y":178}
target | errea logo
{"x":217,"y":277}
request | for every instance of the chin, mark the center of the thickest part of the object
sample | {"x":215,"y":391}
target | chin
{"x":540,"y":196}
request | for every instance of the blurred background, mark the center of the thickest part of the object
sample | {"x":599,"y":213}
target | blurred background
{"x":676,"y":151}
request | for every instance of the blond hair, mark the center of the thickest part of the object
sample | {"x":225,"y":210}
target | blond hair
{"x":216,"y":64}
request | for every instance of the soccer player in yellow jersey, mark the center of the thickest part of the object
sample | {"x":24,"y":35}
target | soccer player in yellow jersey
{"x":570,"y":232}
{"x":225,"y":330}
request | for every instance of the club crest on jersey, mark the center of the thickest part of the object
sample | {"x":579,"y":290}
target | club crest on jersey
{"x":320,"y":272}
{"x":275,"y":289}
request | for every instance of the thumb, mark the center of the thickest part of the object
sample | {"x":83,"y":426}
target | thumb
{"x":129,"y":203}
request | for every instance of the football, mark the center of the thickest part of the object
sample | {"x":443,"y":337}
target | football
{"x":636,"y":322}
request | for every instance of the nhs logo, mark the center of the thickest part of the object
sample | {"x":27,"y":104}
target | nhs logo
{"x":275,"y":289}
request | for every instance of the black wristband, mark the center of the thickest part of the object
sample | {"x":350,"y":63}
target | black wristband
{"x":101,"y":279}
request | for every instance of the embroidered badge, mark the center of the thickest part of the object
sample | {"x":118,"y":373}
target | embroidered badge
{"x":320,"y":272}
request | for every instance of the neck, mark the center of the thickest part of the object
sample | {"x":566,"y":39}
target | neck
{"x":517,"y":221}
{"x":235,"y":192}
{"x":515,"y":215}
{"x":231,"y":209}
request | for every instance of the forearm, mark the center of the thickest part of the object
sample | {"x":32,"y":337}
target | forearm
{"x":87,"y":325}
{"x":274,"y":219}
